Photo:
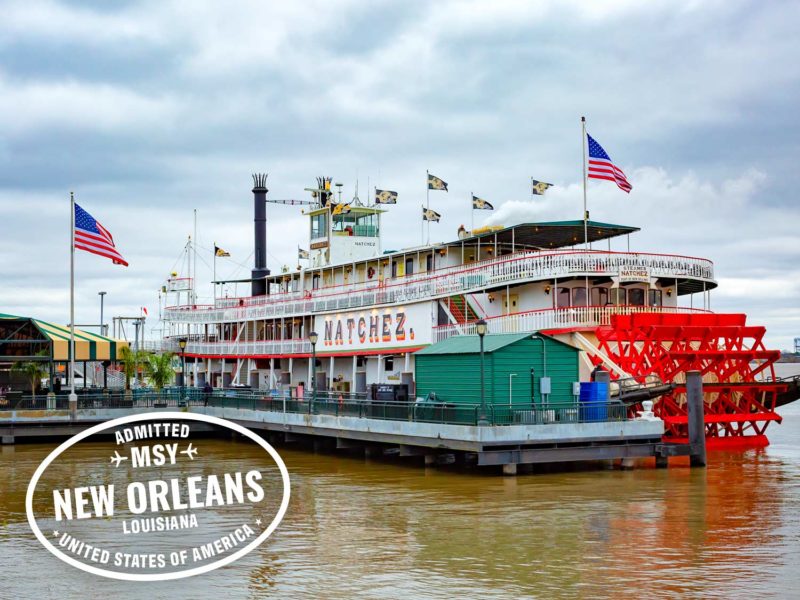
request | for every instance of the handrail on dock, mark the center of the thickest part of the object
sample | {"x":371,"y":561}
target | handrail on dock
{"x":341,"y":405}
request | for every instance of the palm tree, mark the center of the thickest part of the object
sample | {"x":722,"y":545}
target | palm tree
{"x":131,"y":359}
{"x":159,"y":369}
{"x":33,"y":371}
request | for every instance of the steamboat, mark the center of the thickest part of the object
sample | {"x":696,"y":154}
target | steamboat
{"x":355,"y":315}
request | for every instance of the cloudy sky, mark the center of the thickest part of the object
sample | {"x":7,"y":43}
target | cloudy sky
{"x":148,"y":110}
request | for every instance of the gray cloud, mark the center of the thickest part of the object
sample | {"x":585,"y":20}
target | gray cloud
{"x":150,"y":109}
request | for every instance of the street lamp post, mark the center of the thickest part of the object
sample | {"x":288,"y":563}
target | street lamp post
{"x":182,"y":346}
{"x":102,"y":323}
{"x":481,"y":328}
{"x":313,"y":337}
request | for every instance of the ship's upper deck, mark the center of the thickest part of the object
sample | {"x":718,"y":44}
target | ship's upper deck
{"x":498,"y":241}
{"x":384,"y":282}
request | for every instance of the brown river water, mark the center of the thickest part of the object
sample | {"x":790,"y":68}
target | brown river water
{"x":366,"y":528}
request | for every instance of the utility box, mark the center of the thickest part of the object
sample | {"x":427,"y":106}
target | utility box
{"x":544,"y":385}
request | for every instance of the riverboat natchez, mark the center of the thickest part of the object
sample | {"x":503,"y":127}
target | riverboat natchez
{"x":642,"y":316}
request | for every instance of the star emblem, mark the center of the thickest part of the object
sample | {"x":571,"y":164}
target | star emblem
{"x":117,"y":458}
{"x":55,"y":533}
{"x":190,"y":451}
{"x":258,"y":522}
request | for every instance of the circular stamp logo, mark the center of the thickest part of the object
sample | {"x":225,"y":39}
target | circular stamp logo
{"x":158,"y":496}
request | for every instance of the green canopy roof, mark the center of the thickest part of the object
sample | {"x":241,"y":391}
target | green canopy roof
{"x":88,"y":346}
{"x":470,"y":344}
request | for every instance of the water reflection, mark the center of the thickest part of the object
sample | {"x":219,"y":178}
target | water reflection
{"x":364,"y":528}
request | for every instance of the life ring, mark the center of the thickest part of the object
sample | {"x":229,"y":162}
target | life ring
{"x":371,"y":272}
{"x":306,"y":294}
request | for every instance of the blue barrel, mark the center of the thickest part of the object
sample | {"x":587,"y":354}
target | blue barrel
{"x":594,"y":401}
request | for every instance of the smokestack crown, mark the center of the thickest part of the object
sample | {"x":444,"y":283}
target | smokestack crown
{"x":260,"y":182}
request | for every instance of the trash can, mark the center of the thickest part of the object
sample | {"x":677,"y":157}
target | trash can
{"x":593,"y":401}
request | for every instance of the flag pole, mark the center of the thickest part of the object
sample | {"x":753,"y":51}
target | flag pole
{"x":422,"y":227}
{"x":585,"y":223}
{"x":194,"y":251}
{"x":428,"y":202}
{"x":471,"y":213}
{"x":215,"y":273}
{"x":73,"y":399}
{"x":585,"y":212}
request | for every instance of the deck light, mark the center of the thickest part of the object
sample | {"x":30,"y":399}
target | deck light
{"x":182,"y":345}
{"x":481,"y":327}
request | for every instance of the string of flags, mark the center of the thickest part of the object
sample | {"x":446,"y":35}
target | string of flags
{"x":600,"y":166}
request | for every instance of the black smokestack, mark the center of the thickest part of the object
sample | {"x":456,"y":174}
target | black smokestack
{"x":259,"y":284}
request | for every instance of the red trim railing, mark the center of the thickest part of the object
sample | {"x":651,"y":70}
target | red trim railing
{"x":554,"y":318}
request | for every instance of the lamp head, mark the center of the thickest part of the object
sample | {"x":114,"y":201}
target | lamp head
{"x":481,"y":327}
{"x":182,"y":343}
{"x":313,"y":337}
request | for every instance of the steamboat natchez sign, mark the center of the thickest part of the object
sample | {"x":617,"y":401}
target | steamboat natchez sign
{"x":392,"y":327}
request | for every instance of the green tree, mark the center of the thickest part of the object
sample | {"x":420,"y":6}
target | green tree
{"x":131,"y":361}
{"x":158,"y":368}
{"x":32,"y":370}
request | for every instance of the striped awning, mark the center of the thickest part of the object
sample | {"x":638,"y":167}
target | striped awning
{"x":88,"y":346}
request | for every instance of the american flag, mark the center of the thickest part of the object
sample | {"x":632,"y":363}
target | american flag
{"x":601,"y":166}
{"x":94,"y":238}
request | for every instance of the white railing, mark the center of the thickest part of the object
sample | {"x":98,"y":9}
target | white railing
{"x":524,"y":322}
{"x":558,"y":318}
{"x":114,"y":378}
{"x":260,"y":348}
{"x":517,"y":268}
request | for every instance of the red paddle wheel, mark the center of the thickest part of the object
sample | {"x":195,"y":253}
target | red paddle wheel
{"x":729,"y":353}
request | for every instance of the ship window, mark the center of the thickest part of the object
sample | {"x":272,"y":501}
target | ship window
{"x":599,"y":296}
{"x":344,"y":223}
{"x":319,"y":226}
{"x":618,"y":296}
{"x":429,"y":262}
{"x":388,"y":363}
{"x":409,"y":265}
{"x":366,"y":225}
{"x":636,"y":297}
{"x":394,"y":268}
{"x":563,"y":297}
{"x":579,"y":296}
{"x":654,"y":298}
{"x":315,"y":281}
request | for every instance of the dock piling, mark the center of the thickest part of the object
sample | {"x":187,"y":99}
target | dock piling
{"x":695,"y":405}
